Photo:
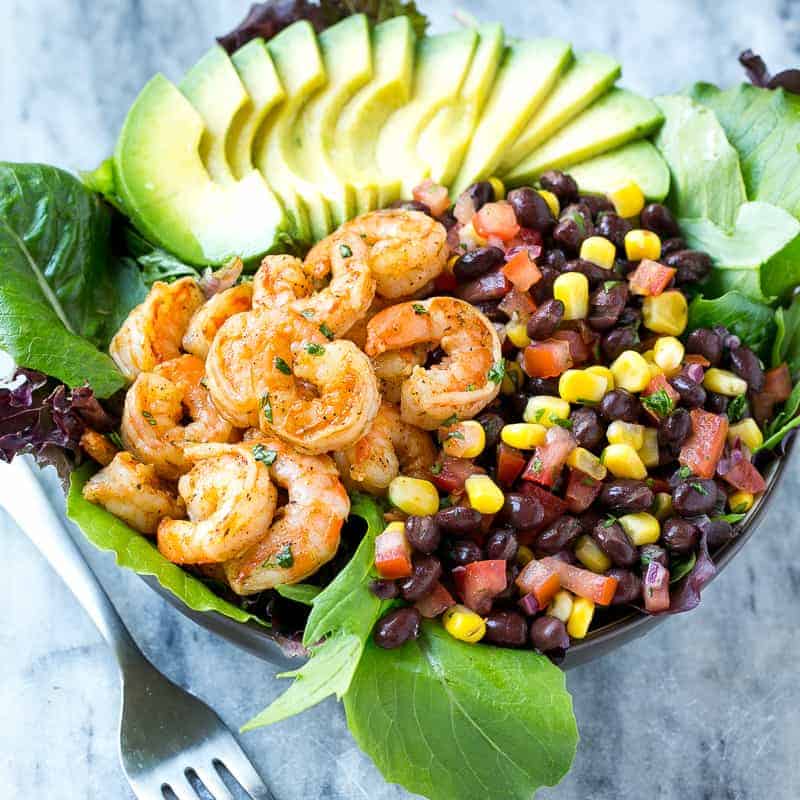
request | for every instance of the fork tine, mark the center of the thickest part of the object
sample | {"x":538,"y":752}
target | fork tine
{"x":182,"y":789}
{"x":238,"y":764}
{"x":213,"y":782}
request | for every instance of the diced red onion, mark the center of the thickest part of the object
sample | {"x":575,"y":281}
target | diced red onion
{"x":529,"y":605}
{"x":695,"y":372}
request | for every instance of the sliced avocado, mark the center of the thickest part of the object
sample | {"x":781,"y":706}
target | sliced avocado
{"x":616,"y":118}
{"x":528,"y":73}
{"x":260,"y":79}
{"x":298,"y":63}
{"x":167,"y":190}
{"x":347,"y":56}
{"x":441,"y":65}
{"x":639,"y":162}
{"x":444,"y":142}
{"x":590,"y":76}
{"x":352,"y":148}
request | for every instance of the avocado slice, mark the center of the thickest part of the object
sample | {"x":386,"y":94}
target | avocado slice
{"x":166,"y":188}
{"x":260,"y":79}
{"x":618,"y":117}
{"x":529,"y":70}
{"x":638,"y":161}
{"x":347,"y":56}
{"x":352,"y":147}
{"x":445,"y":140}
{"x":590,"y":76}
{"x":298,"y":63}
{"x":441,"y":65}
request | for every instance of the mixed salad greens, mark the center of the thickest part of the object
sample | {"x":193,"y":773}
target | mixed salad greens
{"x":73,"y":267}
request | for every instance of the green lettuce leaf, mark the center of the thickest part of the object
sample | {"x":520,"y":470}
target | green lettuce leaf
{"x":138,"y":553}
{"x":299,"y":592}
{"x":783,"y":422}
{"x":786,"y":347}
{"x":453,"y":721}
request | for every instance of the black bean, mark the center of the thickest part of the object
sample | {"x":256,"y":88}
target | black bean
{"x":594,"y":273}
{"x":597,"y":203}
{"x":502,"y":545}
{"x":653,"y":552}
{"x":507,"y":628}
{"x":427,"y":570}
{"x":717,"y":403}
{"x":614,"y":228}
{"x":562,"y":533}
{"x":478,"y":262}
{"x":674,"y":430}
{"x":562,"y":186}
{"x":620,"y":404}
{"x":522,"y":511}
{"x":626,"y":495}
{"x":492,"y":311}
{"x":548,"y":386}
{"x":531,"y":210}
{"x":617,"y":341}
{"x":718,"y":532}
{"x":614,"y":542}
{"x":631,"y":317}
{"x":606,"y":305}
{"x":448,"y":219}
{"x":589,"y":519}
{"x":544,"y":321}
{"x":658,"y":218}
{"x":693,"y":395}
{"x":707,"y":343}
{"x":554,"y":258}
{"x":411,"y":205}
{"x":491,"y":286}
{"x":492,"y":424}
{"x":629,"y":587}
{"x":745,"y":363}
{"x":549,"y":633}
{"x":586,"y":429}
{"x":517,"y":402}
{"x":423,"y":533}
{"x":386,"y":590}
{"x":695,"y":496}
{"x":461,"y":551}
{"x":672,"y":246}
{"x":679,"y":535}
{"x":397,"y":627}
{"x":511,"y":590}
{"x":543,"y":288}
{"x":574,"y":226}
{"x":480,"y":193}
{"x":691,"y":265}
{"x":458,"y":520}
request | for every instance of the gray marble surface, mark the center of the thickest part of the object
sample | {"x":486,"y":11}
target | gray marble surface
{"x":704,"y":708}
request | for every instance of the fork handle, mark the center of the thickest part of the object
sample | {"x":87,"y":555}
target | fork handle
{"x":22,"y":496}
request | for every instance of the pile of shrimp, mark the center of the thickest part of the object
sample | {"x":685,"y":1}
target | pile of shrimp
{"x":252,"y":412}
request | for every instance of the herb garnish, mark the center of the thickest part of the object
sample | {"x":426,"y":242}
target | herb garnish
{"x":737,"y":408}
{"x":267,"y":457}
{"x":451,"y":420}
{"x":537,"y":465}
{"x":266,"y":406}
{"x":561,"y":422}
{"x":609,"y":521}
{"x":699,"y":488}
{"x":149,"y":417}
{"x":436,"y":469}
{"x":496,"y":373}
{"x":284,"y":556}
{"x":327,"y":332}
{"x":345,"y":251}
{"x":307,"y":313}
{"x":116,"y":440}
{"x":314,"y":349}
{"x":419,"y":308}
{"x":454,"y":435}
{"x":608,"y":285}
{"x":659,"y":402}
{"x":282,"y":366}
{"x":684,"y":472}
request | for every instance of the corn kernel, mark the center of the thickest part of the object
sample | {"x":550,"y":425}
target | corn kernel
{"x":468,"y":235}
{"x":662,"y":506}
{"x":499,"y":188}
{"x":631,"y":372}
{"x":599,"y":250}
{"x":464,"y":439}
{"x":483,"y":493}
{"x":641,"y":528}
{"x":524,"y":555}
{"x":451,"y":262}
{"x":622,"y":461}
{"x":414,"y":495}
{"x":748,"y":432}
{"x":641,"y":245}
{"x":561,"y":605}
{"x":464,"y":624}
{"x":552,"y":202}
{"x":590,"y":555}
{"x":668,"y":354}
{"x":605,"y":372}
{"x":513,"y":378}
{"x":580,"y":386}
{"x":523,"y":435}
{"x":587,"y":462}
{"x":628,"y":199}
{"x":517,"y":333}
{"x":741,"y":502}
{"x":629,"y":433}
{"x":395,"y":527}
{"x":667,"y":313}
{"x":572,"y":289}
{"x":655,"y":370}
{"x":581,"y":617}
{"x":544,"y":409}
{"x":723,"y":382}
{"x":648,"y":452}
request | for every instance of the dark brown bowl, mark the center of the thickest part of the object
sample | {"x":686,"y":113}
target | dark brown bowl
{"x":626,"y":627}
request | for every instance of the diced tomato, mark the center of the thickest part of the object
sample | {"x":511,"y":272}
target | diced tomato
{"x":777,"y":388}
{"x":659,"y":383}
{"x":553,"y":507}
{"x":519,"y":303}
{"x":522,"y":271}
{"x":510,"y":463}
{"x":454,"y":472}
{"x":445,"y":281}
{"x":464,"y":209}
{"x":581,"y":490}
{"x":580,"y":349}
{"x":547,"y":359}
{"x":496,"y":219}
{"x":583,"y":582}
{"x":482,"y":582}
{"x":549,"y":458}
{"x":435,"y":603}
{"x":696,"y":358}
{"x":650,"y":278}
{"x":742,"y":475}
{"x":540,"y":580}
{"x":432,"y":195}
{"x":702,"y":450}
{"x":655,"y":588}
{"x":393,"y":555}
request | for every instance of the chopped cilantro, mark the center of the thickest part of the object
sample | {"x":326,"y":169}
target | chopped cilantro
{"x":471,"y":387}
{"x":282,"y":366}
{"x":314,"y":349}
{"x":608,"y":285}
{"x":267,"y":457}
{"x":307,"y":313}
{"x":496,"y":373}
{"x":609,"y":521}
{"x":445,"y":502}
{"x":737,"y":408}
{"x":266,"y":406}
{"x":327,"y":332}
{"x":578,"y":219}
{"x":436,"y":469}
{"x":451,"y":420}
{"x":538,"y":415}
{"x":587,"y":481}
{"x":561,"y":422}
{"x":419,"y":308}
{"x":116,"y":440}
{"x":584,"y":402}
{"x":284,"y":556}
{"x":659,"y":402}
{"x":650,"y":483}
{"x":454,"y":435}
{"x":149,"y":417}
{"x":345,"y":251}
{"x":699,"y":488}
{"x":537,"y":465}
{"x":684,"y":472}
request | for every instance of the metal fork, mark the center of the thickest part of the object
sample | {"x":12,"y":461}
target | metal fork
{"x":166,"y":735}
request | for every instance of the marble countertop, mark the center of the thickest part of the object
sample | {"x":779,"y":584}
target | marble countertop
{"x":704,"y":708}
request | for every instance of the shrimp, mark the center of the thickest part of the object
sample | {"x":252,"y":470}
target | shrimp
{"x":393,"y":367}
{"x":305,"y":532}
{"x":153,"y":331}
{"x":209,"y":318}
{"x":407,"y":249}
{"x":133,"y":492}
{"x":230,"y":501}
{"x":280,"y":281}
{"x":468,"y":377}
{"x":390,"y":447}
{"x":98,"y":447}
{"x":154,"y":409}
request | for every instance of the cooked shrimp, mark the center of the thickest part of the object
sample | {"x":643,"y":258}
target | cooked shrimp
{"x":98,"y":447}
{"x":230,"y":501}
{"x":208,"y":319}
{"x":153,"y":331}
{"x":394,"y":367}
{"x":468,"y":377}
{"x":155,"y":406}
{"x":133,"y":492}
{"x":407,"y":249}
{"x":389,"y":447}
{"x":305,"y":532}
{"x":280,"y":281}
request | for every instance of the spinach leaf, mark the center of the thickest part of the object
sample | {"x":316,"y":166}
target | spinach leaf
{"x":299,"y":592}
{"x":59,"y":289}
{"x":784,"y":422}
{"x":681,"y":567}
{"x":156,"y":264}
{"x":453,"y":721}
{"x":786,"y":347}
